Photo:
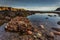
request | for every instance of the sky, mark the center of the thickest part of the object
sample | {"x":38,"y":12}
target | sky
{"x":42,"y":5}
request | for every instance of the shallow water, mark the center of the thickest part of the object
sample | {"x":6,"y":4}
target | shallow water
{"x":50,"y":21}
{"x":7,"y":35}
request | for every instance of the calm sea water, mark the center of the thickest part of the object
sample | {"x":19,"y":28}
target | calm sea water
{"x":49,"y":20}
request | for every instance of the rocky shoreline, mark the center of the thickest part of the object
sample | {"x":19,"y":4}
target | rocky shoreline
{"x":20,"y":28}
{"x":27,"y":31}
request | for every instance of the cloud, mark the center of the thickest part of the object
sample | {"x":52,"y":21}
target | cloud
{"x":43,"y":8}
{"x":30,"y":2}
{"x":40,"y":8}
{"x":43,"y":5}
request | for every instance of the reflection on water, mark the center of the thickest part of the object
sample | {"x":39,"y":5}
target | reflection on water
{"x":49,"y":20}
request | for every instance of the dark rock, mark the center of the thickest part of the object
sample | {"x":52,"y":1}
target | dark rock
{"x":56,"y":29}
{"x":58,"y":22}
{"x":50,"y":15}
{"x":46,"y":18}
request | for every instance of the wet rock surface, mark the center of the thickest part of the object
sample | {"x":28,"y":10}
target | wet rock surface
{"x":7,"y":35}
{"x":20,"y":28}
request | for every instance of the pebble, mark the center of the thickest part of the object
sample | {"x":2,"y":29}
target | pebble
{"x":39,"y":34}
{"x":29,"y":32}
{"x":42,"y":26}
{"x":51,"y":34}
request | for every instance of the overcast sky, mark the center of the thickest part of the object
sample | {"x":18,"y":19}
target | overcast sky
{"x":32,"y":4}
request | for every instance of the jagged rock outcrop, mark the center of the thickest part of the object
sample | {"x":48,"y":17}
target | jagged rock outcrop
{"x":27,"y":31}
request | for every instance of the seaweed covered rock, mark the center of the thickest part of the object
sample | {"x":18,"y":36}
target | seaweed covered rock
{"x":27,"y":31}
